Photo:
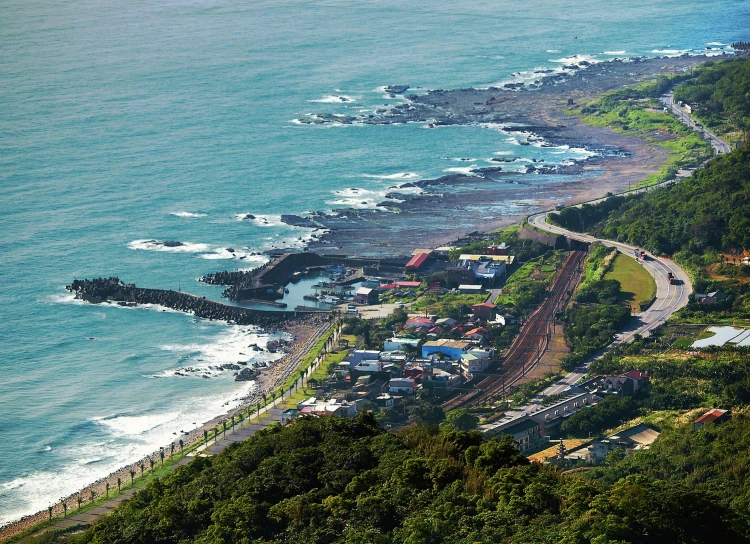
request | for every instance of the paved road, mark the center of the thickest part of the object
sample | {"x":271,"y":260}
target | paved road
{"x":720,"y":146}
{"x":669,"y":298}
{"x":380,"y":311}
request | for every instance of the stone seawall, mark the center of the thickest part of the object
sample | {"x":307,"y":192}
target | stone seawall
{"x":113,"y":290}
{"x":552,"y":240}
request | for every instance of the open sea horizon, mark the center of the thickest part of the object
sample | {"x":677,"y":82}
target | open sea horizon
{"x":124,"y":123}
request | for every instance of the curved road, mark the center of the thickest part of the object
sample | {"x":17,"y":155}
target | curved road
{"x":669,"y":298}
{"x":681,"y":112}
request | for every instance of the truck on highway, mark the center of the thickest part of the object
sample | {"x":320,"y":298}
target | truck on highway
{"x":640,"y":254}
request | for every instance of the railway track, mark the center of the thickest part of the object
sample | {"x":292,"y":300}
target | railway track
{"x":532,"y":340}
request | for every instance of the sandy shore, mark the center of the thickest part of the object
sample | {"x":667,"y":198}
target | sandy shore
{"x":301,"y":330}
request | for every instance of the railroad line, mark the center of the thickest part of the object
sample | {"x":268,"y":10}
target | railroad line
{"x":532,"y":340}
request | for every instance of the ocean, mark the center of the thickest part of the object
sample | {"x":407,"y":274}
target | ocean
{"x":127,"y":123}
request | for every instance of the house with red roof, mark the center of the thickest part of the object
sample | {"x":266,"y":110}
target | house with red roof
{"x":409,"y":284}
{"x":638,"y":377}
{"x":419,"y":322}
{"x":714,"y":416}
{"x":478,"y":334}
{"x":417,"y":262}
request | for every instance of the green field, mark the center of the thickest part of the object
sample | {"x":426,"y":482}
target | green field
{"x":644,"y":118}
{"x":638,"y":287}
{"x":444,"y":304}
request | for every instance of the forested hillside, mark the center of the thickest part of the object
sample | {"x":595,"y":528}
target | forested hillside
{"x":721,"y":92}
{"x":710,"y":211}
{"x":702,"y":221}
{"x":340,"y":480}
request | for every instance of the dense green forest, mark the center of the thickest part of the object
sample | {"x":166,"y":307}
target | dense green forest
{"x":340,"y":480}
{"x":721,"y":92}
{"x":710,"y":211}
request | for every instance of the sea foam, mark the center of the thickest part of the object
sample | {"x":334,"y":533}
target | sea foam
{"x":396,"y":176}
{"x":187,"y":214}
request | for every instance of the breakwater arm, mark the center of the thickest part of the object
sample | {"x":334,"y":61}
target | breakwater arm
{"x":114,"y":290}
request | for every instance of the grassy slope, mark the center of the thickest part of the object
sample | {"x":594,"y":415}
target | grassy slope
{"x":643,"y":119}
{"x":536,"y":270}
{"x":441,"y":304}
{"x":638,"y":287}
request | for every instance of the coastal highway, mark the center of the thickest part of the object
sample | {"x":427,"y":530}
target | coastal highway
{"x":681,"y":112}
{"x":669,"y":298}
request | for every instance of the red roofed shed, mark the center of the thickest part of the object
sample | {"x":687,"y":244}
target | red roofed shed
{"x":712,"y":416}
{"x":417,"y":262}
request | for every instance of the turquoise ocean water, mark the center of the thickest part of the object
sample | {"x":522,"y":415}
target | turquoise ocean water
{"x":128,"y":121}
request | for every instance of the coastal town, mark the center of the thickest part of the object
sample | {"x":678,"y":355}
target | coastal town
{"x":584,"y":364}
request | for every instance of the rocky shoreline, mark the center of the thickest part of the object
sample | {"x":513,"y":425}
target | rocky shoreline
{"x":492,"y":197}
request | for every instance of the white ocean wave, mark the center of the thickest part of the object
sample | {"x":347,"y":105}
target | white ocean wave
{"x":135,"y":425}
{"x":358,"y":198}
{"x":125,"y":439}
{"x":262,"y":220}
{"x":576,"y":59}
{"x":203,"y":251}
{"x":717,"y":44}
{"x":553,"y":50}
{"x":161,"y":245}
{"x":335,"y":99}
{"x":66,"y":298}
{"x":396,"y":176}
{"x":231,"y":346}
{"x":465,"y":170}
{"x":670,"y":52}
{"x":622,"y":52}
{"x":187,"y":214}
{"x":243,"y":254}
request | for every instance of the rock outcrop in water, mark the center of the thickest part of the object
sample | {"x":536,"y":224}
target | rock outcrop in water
{"x":396,"y":89}
{"x":113,"y":290}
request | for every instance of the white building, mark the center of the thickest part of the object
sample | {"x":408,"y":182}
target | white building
{"x":397,"y":344}
{"x":359,"y":355}
{"x":474,"y":362}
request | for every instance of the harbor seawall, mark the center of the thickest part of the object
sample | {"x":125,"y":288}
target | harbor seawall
{"x":113,"y":290}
